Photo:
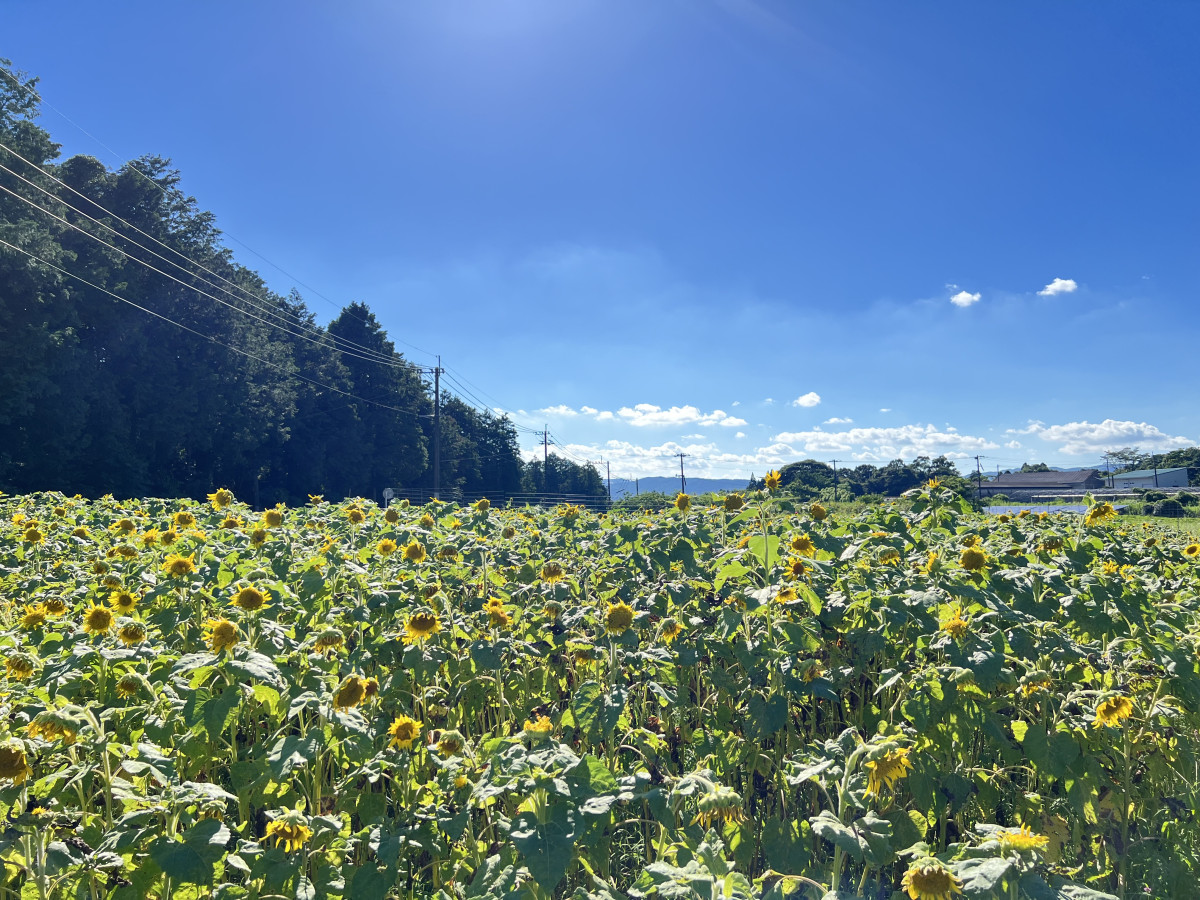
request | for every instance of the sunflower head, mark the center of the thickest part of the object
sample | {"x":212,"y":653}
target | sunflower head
{"x":221,"y":498}
{"x":222,"y":635}
{"x":386,"y":547}
{"x":402,"y":732}
{"x":450,"y":743}
{"x":683,"y":502}
{"x":250,"y":599}
{"x":14,"y":766}
{"x":553,"y":572}
{"x":19,"y":666}
{"x":929,"y":879}
{"x":1100,"y":512}
{"x":179,"y":566}
{"x":508,"y":533}
{"x":1020,"y":840}
{"x":414,"y":552}
{"x":1191,"y":551}
{"x":498,"y":616}
{"x":273,"y":518}
{"x":671,"y":629}
{"x":132,"y":633}
{"x":97,"y":619}
{"x":34,"y":617}
{"x":168,"y":537}
{"x":420,"y":626}
{"x":32,"y":535}
{"x":956,"y":626}
{"x":720,"y":803}
{"x":538,"y":728}
{"x":482,"y":505}
{"x":619,"y":617}
{"x":122,"y":601}
{"x":885,"y":770}
{"x":124,"y":526}
{"x":818,"y":512}
{"x":290,"y":830}
{"x":771,"y":481}
{"x":797,"y":568}
{"x":734,"y":502}
{"x":803,"y":545}
{"x":355,"y":516}
{"x":973,"y":559}
{"x":1113,"y":711}
{"x":129,"y":685}
{"x":329,"y":640}
{"x":350,"y":693}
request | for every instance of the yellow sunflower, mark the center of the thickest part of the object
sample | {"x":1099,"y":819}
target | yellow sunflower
{"x":223,"y":635}
{"x":1101,"y":512}
{"x":973,"y":559}
{"x":391,"y":516}
{"x":1191,"y":551}
{"x":221,"y":498}
{"x":420,"y":626}
{"x":1113,"y":710}
{"x":415,"y":552}
{"x":290,"y":830}
{"x":803,"y":545}
{"x":818,"y":512}
{"x":329,"y":640}
{"x":273,"y":518}
{"x":402,"y":732}
{"x":619,"y":617}
{"x":1021,"y":839}
{"x":929,"y":879}
{"x":386,"y":547}
{"x":179,"y":566}
{"x":97,"y":619}
{"x":683,"y":502}
{"x":350,"y":693}
{"x":183,"y":519}
{"x":483,"y":504}
{"x":771,"y":481}
{"x":250,"y":599}
{"x":553,"y":572}
{"x":33,"y":617}
{"x":671,"y":630}
{"x":122,"y":601}
{"x":14,"y":766}
{"x":19,"y":666}
{"x":734,"y":502}
{"x":132,"y":633}
{"x":886,"y":770}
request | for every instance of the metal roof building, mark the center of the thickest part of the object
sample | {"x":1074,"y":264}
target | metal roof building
{"x":1150,"y":478}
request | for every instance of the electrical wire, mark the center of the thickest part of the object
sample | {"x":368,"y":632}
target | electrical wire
{"x":256,"y":302}
{"x":212,"y":339}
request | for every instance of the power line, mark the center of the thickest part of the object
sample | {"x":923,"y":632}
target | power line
{"x":212,"y":339}
{"x":256,"y":302}
{"x":133,"y":168}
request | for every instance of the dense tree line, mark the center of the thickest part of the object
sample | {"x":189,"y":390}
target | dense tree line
{"x":811,"y":479}
{"x":98,"y":396}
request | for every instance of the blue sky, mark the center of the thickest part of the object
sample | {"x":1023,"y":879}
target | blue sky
{"x":752,"y":231}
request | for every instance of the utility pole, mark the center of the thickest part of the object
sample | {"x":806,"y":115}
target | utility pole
{"x":835,"y":483}
{"x":637,"y":486}
{"x":1108,"y":469}
{"x":545,"y":458}
{"x":978,"y":478}
{"x":682,"y":479}
{"x":608,"y":474}
{"x":437,"y":430}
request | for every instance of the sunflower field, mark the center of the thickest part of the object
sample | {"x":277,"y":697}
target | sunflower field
{"x":742,"y":700}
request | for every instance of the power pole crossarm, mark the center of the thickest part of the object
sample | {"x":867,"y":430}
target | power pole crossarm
{"x":682,"y":478}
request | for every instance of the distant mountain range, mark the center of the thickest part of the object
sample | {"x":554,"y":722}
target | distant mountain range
{"x":622,"y":487}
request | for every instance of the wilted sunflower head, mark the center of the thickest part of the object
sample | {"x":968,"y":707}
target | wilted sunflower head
{"x":168,"y":537}
{"x":671,"y":630}
{"x":552,"y":572}
{"x":734,"y":502}
{"x":124,"y":526}
{"x":886,"y":770}
{"x":132,"y":633}
{"x":497,"y":615}
{"x":55,"y":606}
{"x":222,"y":635}
{"x":129,"y":685}
{"x":329,"y":640}
{"x":258,"y":537}
{"x":450,"y":743}
{"x":538,"y":728}
{"x":19,"y":666}
{"x":1021,"y":840}
{"x":52,"y":724}
{"x":350,"y":693}
{"x":14,"y":766}
{"x":1113,"y":711}
{"x":508,"y":533}
{"x":618,"y":618}
{"x":929,"y":879}
{"x":290,"y":830}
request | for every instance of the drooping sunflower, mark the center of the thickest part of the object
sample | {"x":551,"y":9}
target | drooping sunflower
{"x":385,"y":547}
{"x":683,"y":502}
{"x":14,"y":766}
{"x":553,"y":572}
{"x":183,"y":519}
{"x":498,"y":616}
{"x":618,"y":618}
{"x":973,"y":559}
{"x":427,"y":522}
{"x":402,"y":732}
{"x":132,"y":633}
{"x":55,"y":606}
{"x":329,"y":640}
{"x":1113,"y":710}
{"x":1021,"y":840}
{"x":371,"y":688}
{"x":222,"y":635}
{"x":508,"y":533}
{"x":482,"y":505}
{"x":1101,"y":512}
{"x":350,"y":693}
{"x":818,"y":512}
{"x":538,"y":728}
{"x":420,"y":626}
{"x":290,"y":830}
{"x":929,"y":879}
{"x":258,"y":537}
{"x":33,"y":617}
{"x":719,"y":804}
{"x":19,"y":666}
{"x":273,"y":518}
{"x":956,"y":626}
{"x":450,"y":742}
{"x":671,"y":630}
{"x":124,"y":526}
{"x":177,"y":566}
{"x":250,"y":599}
{"x":734,"y":502}
{"x":221,"y":498}
{"x":129,"y":685}
{"x":415,"y":552}
{"x":391,"y":516}
{"x":97,"y":619}
{"x":886,"y":770}
{"x":168,"y":537}
{"x":52,"y":724}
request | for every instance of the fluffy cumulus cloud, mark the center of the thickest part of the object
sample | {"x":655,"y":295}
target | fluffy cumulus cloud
{"x":1059,"y":286}
{"x":705,"y":460}
{"x":965,"y":298}
{"x":812,"y":398}
{"x":647,"y":414}
{"x":836,"y":420}
{"x":901,"y":441}
{"x":1087,"y":438}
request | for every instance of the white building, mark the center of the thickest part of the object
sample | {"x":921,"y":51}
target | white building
{"x":1152,"y":479}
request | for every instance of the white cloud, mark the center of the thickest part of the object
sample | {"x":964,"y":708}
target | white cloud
{"x":647,"y":414}
{"x":588,"y":410}
{"x":901,"y":441}
{"x":769,"y":401}
{"x":837,"y":421}
{"x":560,"y":410}
{"x":965,"y":298}
{"x":605,"y":416}
{"x":1058,"y":286}
{"x":740,"y":434}
{"x":704,"y":459}
{"x":1086,"y":438}
{"x":812,"y":398}
{"x":737,"y":402}
{"x":885,"y":409}
{"x":693,"y":437}
{"x":1013,"y":445}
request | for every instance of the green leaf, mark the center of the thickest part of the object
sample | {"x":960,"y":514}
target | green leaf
{"x":291,"y":753}
{"x":255,"y":666}
{"x":368,"y":882}
{"x":765,"y":551}
{"x":727,"y":572}
{"x":867,"y":840}
{"x":547,"y":846}
{"x":220,"y":711}
{"x":766,"y":716}
{"x":982,"y":877}
{"x":191,"y":860}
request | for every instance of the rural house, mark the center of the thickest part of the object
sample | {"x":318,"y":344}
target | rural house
{"x":1024,"y":485}
{"x":1151,"y":478}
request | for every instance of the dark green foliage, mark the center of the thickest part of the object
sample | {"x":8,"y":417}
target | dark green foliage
{"x":97,"y":396}
{"x":1170,"y":508}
